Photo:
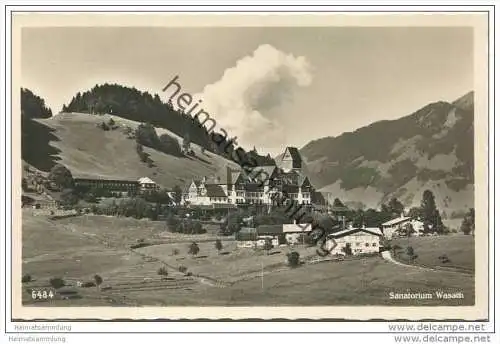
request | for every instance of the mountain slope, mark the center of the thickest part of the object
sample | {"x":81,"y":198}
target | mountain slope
{"x":432,"y":148}
{"x":88,"y":151}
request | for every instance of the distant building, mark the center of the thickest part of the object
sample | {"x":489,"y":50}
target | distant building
{"x":294,"y":233}
{"x":246,"y":237}
{"x":112,"y":185}
{"x":270,"y":232}
{"x":358,"y":240}
{"x":400,"y":225}
{"x":264,"y":185}
{"x":147,"y":185}
{"x":122,"y":186}
{"x":290,"y":160}
{"x":278,"y":234}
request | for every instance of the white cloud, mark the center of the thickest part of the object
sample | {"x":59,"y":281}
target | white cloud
{"x":241,"y":100}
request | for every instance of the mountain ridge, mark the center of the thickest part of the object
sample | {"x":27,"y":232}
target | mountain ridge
{"x":431,"y":148}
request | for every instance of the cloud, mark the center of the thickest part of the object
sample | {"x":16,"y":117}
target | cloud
{"x":242,"y":99}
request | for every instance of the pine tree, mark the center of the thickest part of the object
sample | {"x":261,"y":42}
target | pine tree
{"x":430,"y":213}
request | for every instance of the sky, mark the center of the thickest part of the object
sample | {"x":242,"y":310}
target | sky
{"x":270,"y":87}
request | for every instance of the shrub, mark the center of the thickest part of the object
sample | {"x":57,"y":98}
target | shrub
{"x":194,"y":249}
{"x":104,"y":126}
{"x":162,"y":271}
{"x":175,"y":251}
{"x":57,"y":282}
{"x":218,"y":245}
{"x":293,"y":259}
{"x":98,"y":280}
{"x":268,"y":245}
{"x":182,"y":269}
{"x":169,"y":145}
{"x":26,"y":278}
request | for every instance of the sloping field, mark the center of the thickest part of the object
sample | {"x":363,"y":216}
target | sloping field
{"x":458,"y":248}
{"x":89,"y":151}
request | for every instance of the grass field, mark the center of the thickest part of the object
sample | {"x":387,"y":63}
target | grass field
{"x":77,"y":248}
{"x":458,"y":248}
{"x":89,"y":151}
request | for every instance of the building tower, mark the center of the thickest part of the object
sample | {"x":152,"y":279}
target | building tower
{"x":291,"y":160}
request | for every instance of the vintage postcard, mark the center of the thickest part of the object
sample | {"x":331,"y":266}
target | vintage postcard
{"x":258,"y":166}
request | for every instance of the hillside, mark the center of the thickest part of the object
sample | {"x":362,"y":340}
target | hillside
{"x":75,"y":140}
{"x":432,"y":148}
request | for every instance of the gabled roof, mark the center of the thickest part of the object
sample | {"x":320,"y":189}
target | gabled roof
{"x":294,"y":152}
{"x":215,"y":190}
{"x":396,"y":221}
{"x":269,"y":229}
{"x":303,"y":180}
{"x":355,"y":231}
{"x":145,"y":180}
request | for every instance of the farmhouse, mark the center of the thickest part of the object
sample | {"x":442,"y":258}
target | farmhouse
{"x":355,"y":240}
{"x":402,"y":223}
{"x":295,"y":234}
{"x":270,"y":232}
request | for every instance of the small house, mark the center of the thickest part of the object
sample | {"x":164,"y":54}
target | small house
{"x":270,"y":232}
{"x":295,"y":233}
{"x":354,"y":241}
{"x":400,"y":225}
{"x":147,"y":185}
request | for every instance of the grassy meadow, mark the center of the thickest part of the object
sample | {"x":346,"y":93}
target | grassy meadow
{"x":77,"y":248}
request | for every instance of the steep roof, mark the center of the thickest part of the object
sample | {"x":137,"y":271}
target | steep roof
{"x":396,"y":221}
{"x":215,"y":190}
{"x":355,"y":231}
{"x":294,"y":152}
{"x":145,"y":180}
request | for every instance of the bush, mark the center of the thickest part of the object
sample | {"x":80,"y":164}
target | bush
{"x":98,"y":280}
{"x":175,"y":252}
{"x":162,"y":271}
{"x":169,"y":145}
{"x":57,"y":282}
{"x":218,"y":245}
{"x":26,"y":278}
{"x":293,"y":259}
{"x":182,"y":269}
{"x":104,"y":126}
{"x":194,"y":249}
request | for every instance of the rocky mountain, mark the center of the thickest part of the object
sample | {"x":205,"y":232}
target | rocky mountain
{"x":432,"y":148}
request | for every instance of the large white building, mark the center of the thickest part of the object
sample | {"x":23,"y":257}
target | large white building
{"x":262,"y":185}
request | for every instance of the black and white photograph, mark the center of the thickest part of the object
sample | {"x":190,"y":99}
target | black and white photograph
{"x":256,"y":166}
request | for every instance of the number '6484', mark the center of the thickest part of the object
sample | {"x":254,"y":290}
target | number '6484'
{"x":42,"y":294}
